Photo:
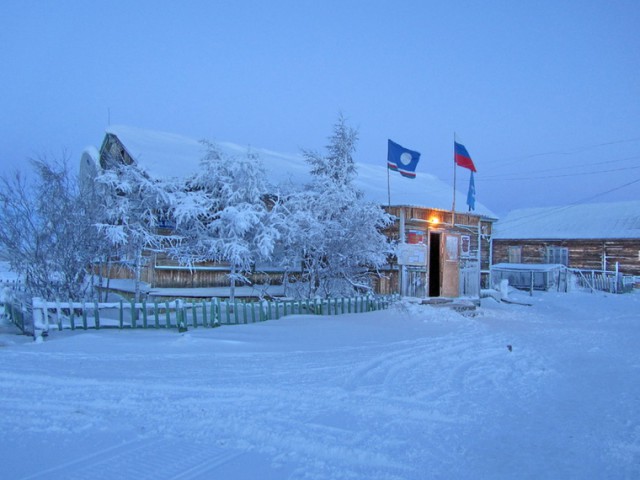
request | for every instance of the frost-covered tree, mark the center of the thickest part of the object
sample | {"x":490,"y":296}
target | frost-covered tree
{"x":48,"y":230}
{"x":134,"y":205}
{"x":226,"y":214}
{"x":331,"y":227}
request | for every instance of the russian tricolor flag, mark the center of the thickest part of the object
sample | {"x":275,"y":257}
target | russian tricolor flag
{"x":462,"y":157}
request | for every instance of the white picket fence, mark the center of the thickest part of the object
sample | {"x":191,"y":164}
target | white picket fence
{"x":46,"y":316}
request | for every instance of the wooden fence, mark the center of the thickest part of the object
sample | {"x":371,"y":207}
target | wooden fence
{"x":612,"y":282}
{"x":43,"y":316}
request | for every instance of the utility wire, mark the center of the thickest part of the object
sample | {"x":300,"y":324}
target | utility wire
{"x":546,"y":211}
{"x":562,"y":167}
{"x":572,"y":151}
{"x":574,"y":174}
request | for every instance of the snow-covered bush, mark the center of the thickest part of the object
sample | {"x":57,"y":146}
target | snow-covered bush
{"x":226,"y":213}
{"x":48,"y":230}
{"x":330,"y":226}
{"x":133,"y":205}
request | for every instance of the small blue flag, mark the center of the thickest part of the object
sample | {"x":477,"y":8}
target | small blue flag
{"x":403,"y":160}
{"x":471,"y":195}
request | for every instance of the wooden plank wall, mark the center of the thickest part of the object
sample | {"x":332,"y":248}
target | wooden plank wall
{"x":466,"y":224}
{"x":583,"y":254}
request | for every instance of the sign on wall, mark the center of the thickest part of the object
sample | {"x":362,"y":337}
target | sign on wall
{"x":465,"y":246}
{"x":412,"y":254}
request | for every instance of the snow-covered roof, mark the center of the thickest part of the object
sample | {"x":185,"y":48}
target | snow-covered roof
{"x":587,"y":221}
{"x":168,"y":155}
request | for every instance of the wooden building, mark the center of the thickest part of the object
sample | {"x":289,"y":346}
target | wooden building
{"x":601,"y":237}
{"x":438,"y":253}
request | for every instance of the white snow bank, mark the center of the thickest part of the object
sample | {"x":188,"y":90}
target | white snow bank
{"x":409,"y":393}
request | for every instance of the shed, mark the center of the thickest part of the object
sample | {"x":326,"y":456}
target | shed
{"x":529,"y":276}
{"x":595,"y":236}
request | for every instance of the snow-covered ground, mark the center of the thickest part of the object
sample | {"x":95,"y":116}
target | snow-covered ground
{"x":410,"y":393}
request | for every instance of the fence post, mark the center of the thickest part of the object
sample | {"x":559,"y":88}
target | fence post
{"x":72,"y":316}
{"x":38,"y":317}
{"x":180,"y":314}
{"x":58,"y":315}
{"x":531,"y":285}
{"x":194,"y":314}
{"x":144,"y":313}
{"x":134,"y":314}
{"x":155,"y":314}
{"x":84,"y":315}
{"x":96,"y":315}
{"x":167,"y":315}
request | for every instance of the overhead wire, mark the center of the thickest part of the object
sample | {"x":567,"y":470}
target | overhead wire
{"x":546,"y":211}
{"x":572,"y":151}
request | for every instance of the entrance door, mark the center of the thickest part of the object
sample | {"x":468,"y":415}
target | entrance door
{"x":450,"y":256}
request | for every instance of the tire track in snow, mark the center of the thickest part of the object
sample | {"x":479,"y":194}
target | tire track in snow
{"x":143,"y":459}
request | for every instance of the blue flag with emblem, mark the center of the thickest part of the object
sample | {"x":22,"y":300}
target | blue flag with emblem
{"x":402,"y":160}
{"x":471,"y":194}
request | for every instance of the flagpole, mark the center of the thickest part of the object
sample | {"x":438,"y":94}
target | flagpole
{"x":453,"y":207}
{"x":388,"y":187}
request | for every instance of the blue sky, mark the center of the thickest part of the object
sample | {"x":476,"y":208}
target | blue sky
{"x":545,"y":94}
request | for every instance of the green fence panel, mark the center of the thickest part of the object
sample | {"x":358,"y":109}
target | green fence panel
{"x":194,"y":315}
{"x":156,"y":318}
{"x":188,"y":313}
{"x":134,"y":315}
{"x":145,"y":322}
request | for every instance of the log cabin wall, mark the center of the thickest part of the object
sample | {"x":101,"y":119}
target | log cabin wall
{"x":183,"y":278}
{"x":582,"y":254}
{"x":477,"y":229}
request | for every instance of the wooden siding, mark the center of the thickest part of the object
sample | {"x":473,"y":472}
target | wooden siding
{"x":466,"y":224}
{"x":583,"y":254}
{"x":478,"y":230}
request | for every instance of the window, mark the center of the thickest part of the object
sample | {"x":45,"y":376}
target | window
{"x":557,"y":255}
{"x":515,"y":254}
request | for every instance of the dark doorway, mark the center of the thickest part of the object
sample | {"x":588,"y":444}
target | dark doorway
{"x":434,"y":264}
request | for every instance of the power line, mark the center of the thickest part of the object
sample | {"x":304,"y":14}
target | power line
{"x":572,"y":151}
{"x":565,"y":167}
{"x":546,"y":211}
{"x":574,"y":174}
